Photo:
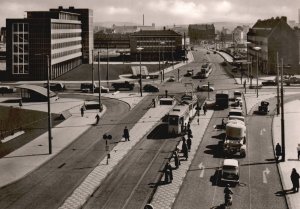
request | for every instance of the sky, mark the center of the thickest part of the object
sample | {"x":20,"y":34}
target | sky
{"x":162,"y":12}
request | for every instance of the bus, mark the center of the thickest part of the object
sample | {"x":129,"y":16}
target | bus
{"x":178,"y":117}
{"x":222,"y":99}
{"x":206,"y":69}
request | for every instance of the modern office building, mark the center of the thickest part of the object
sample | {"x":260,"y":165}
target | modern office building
{"x":270,"y":37}
{"x":166,"y":44}
{"x":45,"y":40}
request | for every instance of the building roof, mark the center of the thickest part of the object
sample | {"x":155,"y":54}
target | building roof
{"x":38,"y":89}
{"x":156,"y":33}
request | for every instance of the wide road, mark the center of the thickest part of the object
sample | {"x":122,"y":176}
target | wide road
{"x":52,"y":183}
{"x":259,"y":178}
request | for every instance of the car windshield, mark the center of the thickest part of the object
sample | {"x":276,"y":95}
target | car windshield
{"x":230,"y":169}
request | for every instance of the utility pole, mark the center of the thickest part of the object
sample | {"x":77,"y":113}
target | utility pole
{"x":99,"y":78}
{"x":161,"y":78}
{"x":208,"y":91}
{"x":278,"y":100}
{"x":93,"y":71}
{"x":49,"y":111}
{"x":282,"y":116}
{"x":107,"y":67}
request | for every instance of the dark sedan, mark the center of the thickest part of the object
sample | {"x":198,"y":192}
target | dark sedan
{"x":150,"y":88}
{"x":269,"y":83}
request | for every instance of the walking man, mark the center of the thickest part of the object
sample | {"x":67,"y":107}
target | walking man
{"x":189,"y":143}
{"x":168,"y":173}
{"x":295,"y":180}
{"x":97,"y":119}
{"x":298,"y":150}
{"x":198,"y":121}
{"x":184,"y":149}
{"x":277,"y":151}
{"x":82,"y":111}
{"x":126,"y":134}
{"x":204,"y":108}
{"x":176,"y":158}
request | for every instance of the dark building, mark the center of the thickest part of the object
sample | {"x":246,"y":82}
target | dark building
{"x":53,"y":35}
{"x":272,"y":36}
{"x":166,"y":44}
{"x":203,"y":32}
{"x":115,"y":41}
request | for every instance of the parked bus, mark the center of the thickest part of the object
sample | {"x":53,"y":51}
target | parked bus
{"x":222,"y":99}
{"x":178,"y":117}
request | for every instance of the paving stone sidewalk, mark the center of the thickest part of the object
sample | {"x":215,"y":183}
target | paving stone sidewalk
{"x":165,"y":195}
{"x":94,"y":179}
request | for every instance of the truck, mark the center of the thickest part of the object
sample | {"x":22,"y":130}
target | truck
{"x":235,"y":139}
{"x":123,"y":85}
{"x":222,"y":99}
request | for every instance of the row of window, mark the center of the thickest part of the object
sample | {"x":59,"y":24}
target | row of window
{"x":65,"y":44}
{"x":23,"y":37}
{"x":65,"y":26}
{"x":21,"y":59}
{"x":65,"y":35}
{"x":20,"y":27}
{"x":65,"y":16}
{"x":20,"y":48}
{"x":65,"y":53}
{"x":20,"y":69}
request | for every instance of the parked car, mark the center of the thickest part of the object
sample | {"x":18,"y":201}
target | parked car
{"x":150,"y":88}
{"x":189,"y":73}
{"x":205,"y":88}
{"x":56,"y":86}
{"x":230,"y":171}
{"x":171,"y":79}
{"x":103,"y":89}
{"x":123,"y":85}
{"x":269,"y":83}
{"x":87,"y":87}
{"x":7,"y":89}
{"x":238,"y":102}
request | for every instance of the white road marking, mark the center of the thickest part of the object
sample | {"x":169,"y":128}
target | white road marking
{"x":265,"y":173}
{"x":262,"y":131}
{"x":202,"y":168}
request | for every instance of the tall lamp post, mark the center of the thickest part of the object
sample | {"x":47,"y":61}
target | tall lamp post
{"x":99,"y":78}
{"x":93,"y":71}
{"x":48,"y":102}
{"x":163,"y":70}
{"x":139,"y":49}
{"x":257,"y":49}
{"x":282,"y":117}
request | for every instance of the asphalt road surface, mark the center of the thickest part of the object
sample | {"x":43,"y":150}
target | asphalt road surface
{"x":52,"y":183}
{"x":259,"y":178}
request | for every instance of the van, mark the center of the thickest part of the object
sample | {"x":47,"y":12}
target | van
{"x":235,"y":112}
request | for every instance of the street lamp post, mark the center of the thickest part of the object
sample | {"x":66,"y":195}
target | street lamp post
{"x":140,"y":50}
{"x":93,"y":71}
{"x":282,"y":117}
{"x":163,"y":59}
{"x":257,"y":48}
{"x":48,"y":102}
{"x":107,"y":65}
{"x":99,"y":78}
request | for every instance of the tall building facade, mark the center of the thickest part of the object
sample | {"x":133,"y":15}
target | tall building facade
{"x":44,"y":40}
{"x":273,"y":36}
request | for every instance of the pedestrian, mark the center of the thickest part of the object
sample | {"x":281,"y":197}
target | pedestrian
{"x":168,"y":173}
{"x":20,"y":103}
{"x":298,"y":150}
{"x":277,"y":151}
{"x":126,"y":134}
{"x":189,"y":143}
{"x":82,"y":111}
{"x":204,"y":108}
{"x":295,"y":180}
{"x":97,"y":118}
{"x":176,"y":159}
{"x":223,"y":123}
{"x":184,"y":149}
{"x":189,"y":126}
{"x":198,"y":121}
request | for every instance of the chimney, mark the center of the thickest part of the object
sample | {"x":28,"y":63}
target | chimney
{"x":71,"y":7}
{"x":60,"y":7}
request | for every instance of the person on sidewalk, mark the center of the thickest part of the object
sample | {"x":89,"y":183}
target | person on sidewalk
{"x":82,"y":110}
{"x":277,"y":152}
{"x":168,"y":173}
{"x":126,"y":134}
{"x":198,"y":121}
{"x":184,"y":149}
{"x":189,"y":126}
{"x":176,"y":159}
{"x":298,"y":151}
{"x":295,"y":180}
{"x":204,"y":108}
{"x":189,"y":143}
{"x":223,"y":123}
{"x":97,"y":119}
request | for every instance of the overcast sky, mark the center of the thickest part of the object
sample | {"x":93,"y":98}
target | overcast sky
{"x":162,"y":12}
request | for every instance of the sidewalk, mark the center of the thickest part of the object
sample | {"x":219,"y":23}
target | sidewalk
{"x":165,"y":195}
{"x":91,"y":183}
{"x":292,"y":139}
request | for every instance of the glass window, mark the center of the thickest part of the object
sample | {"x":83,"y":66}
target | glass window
{"x":25,"y":37}
{"x":16,"y":70}
{"x":25,"y":48}
{"x":21,"y":69}
{"x":15,"y":59}
{"x":26,"y":27}
{"x":15,"y":48}
{"x":21,"y":27}
{"x":15,"y":38}
{"x":26,"y":69}
{"x":15,"y":27}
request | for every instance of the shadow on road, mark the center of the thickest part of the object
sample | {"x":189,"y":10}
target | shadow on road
{"x":159,"y":132}
{"x":215,"y":149}
{"x":220,"y":136}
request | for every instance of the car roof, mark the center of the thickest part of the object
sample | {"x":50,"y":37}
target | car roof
{"x":231,"y":162}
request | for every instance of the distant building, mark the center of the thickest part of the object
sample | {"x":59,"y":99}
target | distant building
{"x":112,"y":41}
{"x":124,"y":29}
{"x":157,"y":44}
{"x":198,"y":33}
{"x":58,"y":34}
{"x":273,"y":36}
